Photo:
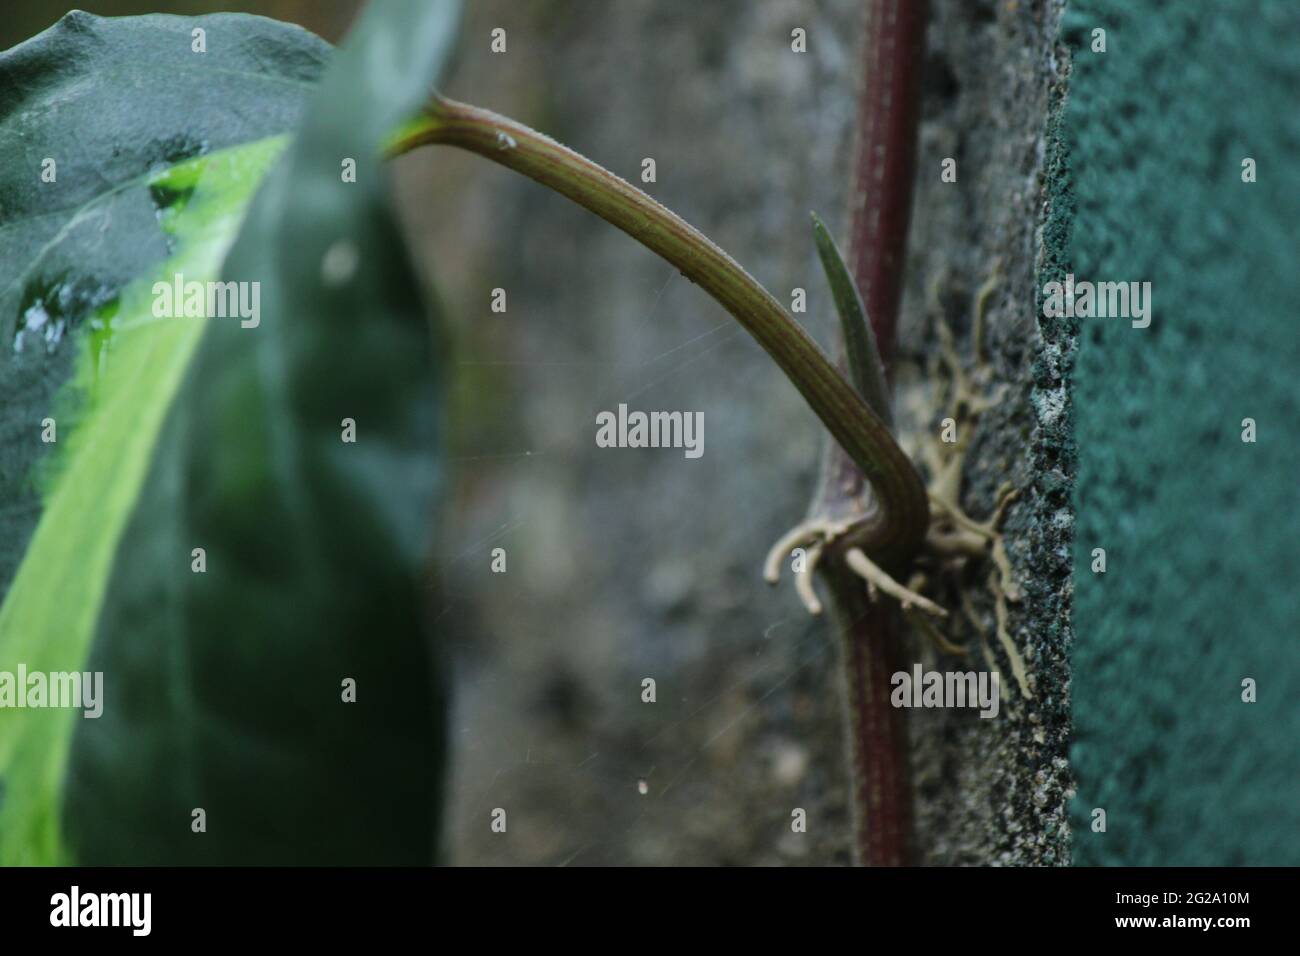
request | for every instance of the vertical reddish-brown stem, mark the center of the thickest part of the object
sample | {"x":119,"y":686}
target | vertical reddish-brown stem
{"x":871,"y":635}
{"x":888,"y":108}
{"x":880,"y":774}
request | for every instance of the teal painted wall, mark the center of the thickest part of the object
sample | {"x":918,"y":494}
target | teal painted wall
{"x":1200,"y":529}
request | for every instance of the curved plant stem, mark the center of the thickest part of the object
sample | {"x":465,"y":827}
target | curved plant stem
{"x":903,"y":513}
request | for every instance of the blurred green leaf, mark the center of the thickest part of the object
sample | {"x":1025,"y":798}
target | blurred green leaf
{"x":112,"y":104}
{"x":119,"y":106}
{"x":223,"y":689}
{"x":228,"y":684}
{"x":48,"y":619}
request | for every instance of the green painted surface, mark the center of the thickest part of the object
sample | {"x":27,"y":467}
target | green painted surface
{"x":1199,"y":528}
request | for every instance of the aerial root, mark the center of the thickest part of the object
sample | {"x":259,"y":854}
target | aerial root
{"x":877,"y":579}
{"x":816,"y":536}
{"x":925,"y":626}
{"x":803,"y":583}
{"x":954,"y":540}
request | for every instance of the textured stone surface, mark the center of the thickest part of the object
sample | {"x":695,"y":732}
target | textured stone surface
{"x":995,"y":791}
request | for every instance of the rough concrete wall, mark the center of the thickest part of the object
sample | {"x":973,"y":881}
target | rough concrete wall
{"x":632,"y":564}
{"x":1199,"y":528}
{"x":995,"y":791}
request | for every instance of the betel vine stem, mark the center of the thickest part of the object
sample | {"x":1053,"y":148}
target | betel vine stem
{"x":881,"y":201}
{"x":903,"y":513}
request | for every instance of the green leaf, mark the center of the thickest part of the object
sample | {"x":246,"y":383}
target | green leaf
{"x":222,"y":690}
{"x":118,"y":105}
{"x":865,"y":366}
{"x":227,"y":684}
{"x":47,"y":620}
{"x":112,"y":103}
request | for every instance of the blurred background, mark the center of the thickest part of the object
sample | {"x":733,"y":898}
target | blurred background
{"x":633,"y":564}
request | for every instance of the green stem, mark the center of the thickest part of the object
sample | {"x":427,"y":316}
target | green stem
{"x":903,"y":513}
